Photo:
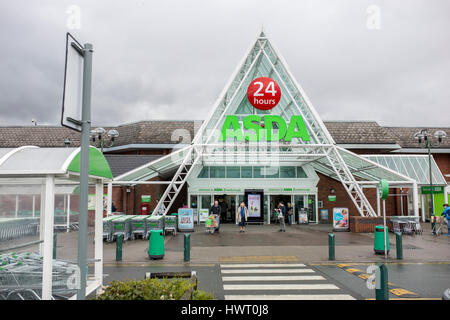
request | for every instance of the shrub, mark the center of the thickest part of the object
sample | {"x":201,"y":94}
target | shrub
{"x":153,"y":289}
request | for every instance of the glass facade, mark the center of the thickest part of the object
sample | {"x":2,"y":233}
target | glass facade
{"x":246,"y":172}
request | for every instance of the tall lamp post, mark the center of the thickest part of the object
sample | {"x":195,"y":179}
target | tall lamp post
{"x":102,"y":139}
{"x":424,"y":139}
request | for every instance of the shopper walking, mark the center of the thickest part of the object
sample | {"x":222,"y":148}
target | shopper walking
{"x":242,"y":216}
{"x":216,"y":211}
{"x":446,"y":215}
{"x":290,"y":213}
{"x":224,"y":207}
{"x":282,"y":216}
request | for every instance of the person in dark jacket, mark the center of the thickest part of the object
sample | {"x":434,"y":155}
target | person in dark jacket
{"x":446,"y":215}
{"x":290,"y":212}
{"x":224,"y":208}
{"x":216,"y":210}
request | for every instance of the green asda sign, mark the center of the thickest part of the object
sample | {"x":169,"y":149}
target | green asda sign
{"x":254,"y":131}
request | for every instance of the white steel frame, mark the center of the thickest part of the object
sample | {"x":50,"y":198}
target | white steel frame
{"x":323,"y":145}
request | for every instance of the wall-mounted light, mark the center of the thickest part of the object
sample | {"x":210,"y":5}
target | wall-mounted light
{"x":332,"y":191}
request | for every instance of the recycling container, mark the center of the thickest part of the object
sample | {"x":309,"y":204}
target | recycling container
{"x":156,"y":244}
{"x":378,"y":245}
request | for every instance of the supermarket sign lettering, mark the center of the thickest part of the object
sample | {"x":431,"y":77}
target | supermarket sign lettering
{"x":266,"y":128}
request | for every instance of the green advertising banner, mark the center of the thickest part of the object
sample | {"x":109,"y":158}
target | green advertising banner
{"x":332,"y":198}
{"x":436,"y":189}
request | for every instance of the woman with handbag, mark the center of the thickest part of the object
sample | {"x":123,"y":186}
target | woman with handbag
{"x":281,"y":216}
{"x":241,"y":216}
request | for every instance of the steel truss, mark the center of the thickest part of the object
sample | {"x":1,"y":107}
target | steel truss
{"x":322,"y":145}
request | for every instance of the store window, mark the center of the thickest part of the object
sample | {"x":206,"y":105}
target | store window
{"x":217,"y":172}
{"x":271,"y":172}
{"x":246,"y":172}
{"x":287,"y":172}
{"x":233,"y":172}
{"x":204,"y":173}
{"x":206,"y":201}
{"x":257,"y":172}
{"x":312,"y":208}
{"x":301,"y":173}
{"x":194,"y":204}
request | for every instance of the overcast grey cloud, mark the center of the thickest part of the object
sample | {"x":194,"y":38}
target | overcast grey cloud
{"x":171,"y":59}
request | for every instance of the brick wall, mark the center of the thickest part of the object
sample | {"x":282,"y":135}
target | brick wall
{"x":343,"y":200}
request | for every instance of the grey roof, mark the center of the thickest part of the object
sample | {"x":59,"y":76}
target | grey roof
{"x":173,"y":132}
{"x":359,"y":132}
{"x":120,"y":164}
{"x":404,"y":136}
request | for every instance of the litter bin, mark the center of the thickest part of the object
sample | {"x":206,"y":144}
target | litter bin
{"x":378,"y":245}
{"x":156,"y":244}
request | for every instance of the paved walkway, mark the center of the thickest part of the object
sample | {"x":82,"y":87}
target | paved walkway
{"x":300,"y":243}
{"x":263,"y":243}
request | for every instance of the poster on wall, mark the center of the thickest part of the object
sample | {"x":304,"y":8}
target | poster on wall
{"x":185,"y":219}
{"x":91,"y":201}
{"x":340,"y":219}
{"x":203,"y":214}
{"x":324,"y":215}
{"x":254,"y":205}
{"x":303,"y":216}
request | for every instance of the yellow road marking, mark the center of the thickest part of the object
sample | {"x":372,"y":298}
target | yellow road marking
{"x":400,"y":292}
{"x":351,"y":270}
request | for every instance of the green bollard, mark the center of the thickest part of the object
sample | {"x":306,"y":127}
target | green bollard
{"x":331,"y":245}
{"x":187,"y":247}
{"x":399,"y":245}
{"x":382,"y":289}
{"x":54,"y":245}
{"x":119,"y":241}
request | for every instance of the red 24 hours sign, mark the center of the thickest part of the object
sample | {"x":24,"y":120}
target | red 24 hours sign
{"x":264,"y":93}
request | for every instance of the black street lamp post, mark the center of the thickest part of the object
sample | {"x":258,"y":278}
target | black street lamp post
{"x":425,"y":137}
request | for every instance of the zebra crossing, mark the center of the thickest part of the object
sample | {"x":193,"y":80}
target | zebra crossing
{"x":277,"y":281}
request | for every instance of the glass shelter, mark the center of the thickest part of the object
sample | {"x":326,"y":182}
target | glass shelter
{"x":38,"y":194}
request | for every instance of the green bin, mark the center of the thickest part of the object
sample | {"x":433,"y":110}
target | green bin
{"x":156,"y":244}
{"x":378,"y":245}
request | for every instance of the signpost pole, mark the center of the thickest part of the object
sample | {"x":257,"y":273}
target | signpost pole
{"x":384,"y":228}
{"x":84,"y":168}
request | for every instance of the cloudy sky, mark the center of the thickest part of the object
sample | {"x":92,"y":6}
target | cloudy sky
{"x":387,"y":61}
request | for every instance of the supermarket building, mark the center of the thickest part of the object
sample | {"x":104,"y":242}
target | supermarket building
{"x":283,"y":153}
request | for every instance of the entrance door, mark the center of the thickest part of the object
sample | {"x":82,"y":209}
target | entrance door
{"x":228,"y":204}
{"x":274,"y":201}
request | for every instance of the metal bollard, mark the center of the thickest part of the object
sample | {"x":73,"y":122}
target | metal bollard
{"x":331,"y":245}
{"x":119,"y":242}
{"x":382,"y":289}
{"x":399,"y":245}
{"x":54,"y":245}
{"x":187,"y":247}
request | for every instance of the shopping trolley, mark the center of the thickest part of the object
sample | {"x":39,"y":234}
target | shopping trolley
{"x":122,"y":226}
{"x":170,"y":224}
{"x":11,"y":228}
{"x":139,"y":226}
{"x":21,"y":277}
{"x":154,"y":223}
{"x":108,"y":228}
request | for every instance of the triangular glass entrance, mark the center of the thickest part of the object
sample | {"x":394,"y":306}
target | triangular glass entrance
{"x":319,"y":149}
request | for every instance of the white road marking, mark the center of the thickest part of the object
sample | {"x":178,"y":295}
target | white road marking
{"x":272,"y":278}
{"x":268,"y":271}
{"x":280,"y":287}
{"x":291,"y":297}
